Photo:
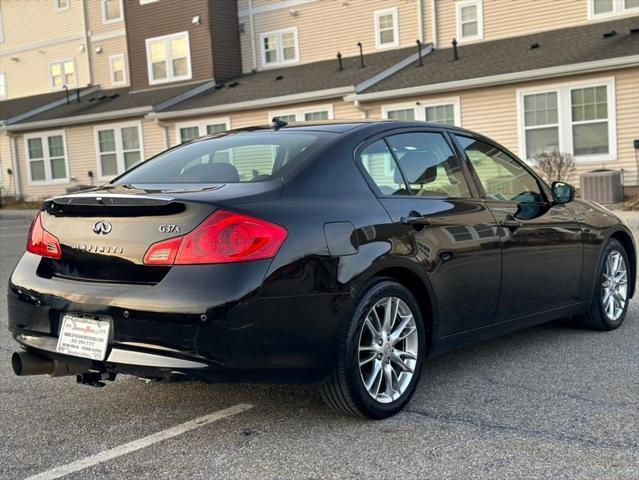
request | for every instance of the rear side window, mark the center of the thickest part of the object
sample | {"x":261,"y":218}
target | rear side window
{"x":429,"y":165}
{"x":378,"y":161}
{"x":230,"y":158}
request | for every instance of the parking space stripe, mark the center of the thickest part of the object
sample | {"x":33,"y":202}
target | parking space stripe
{"x":144,"y":442}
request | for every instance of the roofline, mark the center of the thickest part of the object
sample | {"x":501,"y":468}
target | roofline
{"x":78,"y":119}
{"x":541,"y":73}
{"x":50,"y":105}
{"x":369,"y":82}
{"x":262,"y":102}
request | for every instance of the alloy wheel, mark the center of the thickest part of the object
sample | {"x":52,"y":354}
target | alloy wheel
{"x":388,"y":349}
{"x":614,"y":285}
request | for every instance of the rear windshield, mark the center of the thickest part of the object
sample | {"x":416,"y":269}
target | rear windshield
{"x":228,"y":158}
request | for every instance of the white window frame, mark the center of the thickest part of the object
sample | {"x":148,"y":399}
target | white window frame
{"x":201,"y":126}
{"x":46,"y":157}
{"x":144,"y":2}
{"x":75,"y":73}
{"x":301,"y":112}
{"x":119,"y":150}
{"x":564,"y":111}
{"x":3,"y":81}
{"x":394,"y":13}
{"x":106,"y":21}
{"x":169,"y":59}
{"x":618,"y":10}
{"x":62,"y":8}
{"x":522,"y":128}
{"x":419,"y":107}
{"x":124,"y":69}
{"x":279,"y":48}
{"x":480,"y":20}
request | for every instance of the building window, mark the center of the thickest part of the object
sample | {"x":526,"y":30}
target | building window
{"x":62,"y":73}
{"x":169,"y":58}
{"x":111,"y":11}
{"x":470,"y":20}
{"x":541,"y":123}
{"x":609,"y":8}
{"x":117,"y":66}
{"x":280,"y":47}
{"x":188,"y":131}
{"x":46,"y":156}
{"x":119,"y":148}
{"x":323,"y":112}
{"x":445,"y":111}
{"x":576,"y":119}
{"x":3,"y":85}
{"x":62,"y":5}
{"x":386,"y":28}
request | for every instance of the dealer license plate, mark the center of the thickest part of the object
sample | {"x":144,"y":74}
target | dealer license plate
{"x":83,"y":337}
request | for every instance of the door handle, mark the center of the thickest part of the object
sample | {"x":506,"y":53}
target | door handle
{"x":510,"y":222}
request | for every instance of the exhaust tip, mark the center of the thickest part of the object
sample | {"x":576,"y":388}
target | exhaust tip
{"x":16,"y":363}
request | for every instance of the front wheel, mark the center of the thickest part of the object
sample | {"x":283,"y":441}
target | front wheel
{"x":610,"y":302}
{"x":381,"y":354}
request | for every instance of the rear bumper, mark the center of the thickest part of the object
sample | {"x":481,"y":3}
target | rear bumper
{"x":207,"y":321}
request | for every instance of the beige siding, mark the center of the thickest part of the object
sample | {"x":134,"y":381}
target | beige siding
{"x":6,"y":182}
{"x":510,"y":18}
{"x":493,"y":112}
{"x":94,"y":20}
{"x":100,"y":61}
{"x":324,"y":28}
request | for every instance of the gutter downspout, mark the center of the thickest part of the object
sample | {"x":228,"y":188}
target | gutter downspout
{"x":420,"y":20}
{"x":87,"y":41}
{"x":252,"y":34}
{"x":16,"y":166}
{"x":433,"y":9}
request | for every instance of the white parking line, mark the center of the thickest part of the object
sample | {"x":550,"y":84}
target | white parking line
{"x":157,"y":437}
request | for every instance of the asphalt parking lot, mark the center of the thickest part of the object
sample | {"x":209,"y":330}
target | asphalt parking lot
{"x":548,"y":402}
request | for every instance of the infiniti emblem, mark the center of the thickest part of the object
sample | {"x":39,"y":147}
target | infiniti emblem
{"x":102,"y":228}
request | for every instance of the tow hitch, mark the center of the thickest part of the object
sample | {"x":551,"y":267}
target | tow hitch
{"x":95,"y":379}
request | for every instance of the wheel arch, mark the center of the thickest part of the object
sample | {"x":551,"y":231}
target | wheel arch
{"x":628,"y":244}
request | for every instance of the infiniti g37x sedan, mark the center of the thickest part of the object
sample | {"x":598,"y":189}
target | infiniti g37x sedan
{"x":339,"y":254}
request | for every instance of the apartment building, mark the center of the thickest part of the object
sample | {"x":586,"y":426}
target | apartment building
{"x":148,"y":74}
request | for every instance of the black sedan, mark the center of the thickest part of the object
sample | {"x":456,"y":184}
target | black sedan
{"x":341,"y":254}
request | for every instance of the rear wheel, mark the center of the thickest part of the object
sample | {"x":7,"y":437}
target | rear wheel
{"x":610,"y":303}
{"x":381,"y":354}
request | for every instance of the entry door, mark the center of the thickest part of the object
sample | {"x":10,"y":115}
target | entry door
{"x":542,"y":249}
{"x":438,"y":224}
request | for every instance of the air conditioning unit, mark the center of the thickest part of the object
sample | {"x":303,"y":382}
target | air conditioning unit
{"x":602,"y":186}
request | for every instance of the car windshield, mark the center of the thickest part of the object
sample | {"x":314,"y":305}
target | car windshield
{"x":228,"y":158}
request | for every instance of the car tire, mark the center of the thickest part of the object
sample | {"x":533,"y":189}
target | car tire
{"x":600,"y":315}
{"x":365,"y":357}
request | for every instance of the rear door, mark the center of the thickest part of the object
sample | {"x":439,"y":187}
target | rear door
{"x":542,"y":249}
{"x":439,"y":223}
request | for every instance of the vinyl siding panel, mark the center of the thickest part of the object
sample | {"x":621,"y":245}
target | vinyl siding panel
{"x":493,"y":112}
{"x":96,"y":24}
{"x":507,"y":18}
{"x":101,"y":63}
{"x":325,"y":28}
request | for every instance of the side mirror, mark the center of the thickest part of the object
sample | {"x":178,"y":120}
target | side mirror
{"x":563,"y":192}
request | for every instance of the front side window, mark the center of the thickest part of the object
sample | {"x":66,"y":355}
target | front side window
{"x":541,"y":123}
{"x":230,"y":158}
{"x":469,"y":20}
{"x":111,"y":11}
{"x":429,"y":165}
{"x":46,"y":154}
{"x":119,"y":149}
{"x":589,"y":110}
{"x":62,"y":73}
{"x":386,"y":28}
{"x":169,"y":58}
{"x":279,"y":48}
{"x":501,"y":176}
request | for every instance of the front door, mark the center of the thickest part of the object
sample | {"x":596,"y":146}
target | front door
{"x":439,"y":224}
{"x":542,"y":249}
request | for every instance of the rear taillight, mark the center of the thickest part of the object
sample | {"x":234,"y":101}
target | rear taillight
{"x":42,"y":242}
{"x":224,"y":237}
